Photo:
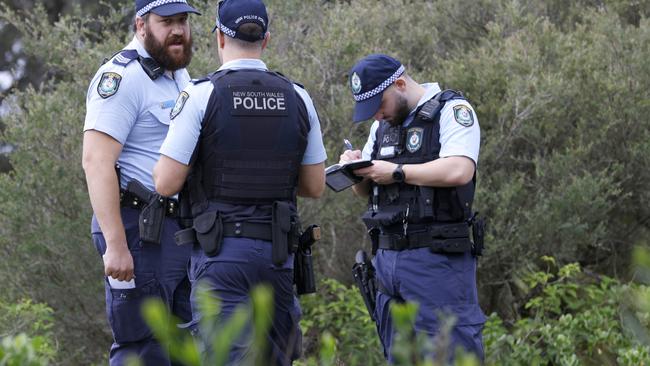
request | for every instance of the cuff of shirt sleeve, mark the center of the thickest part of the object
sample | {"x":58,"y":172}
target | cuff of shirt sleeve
{"x":458,"y":152}
{"x":182,"y":157}
{"x":314,"y":159}
{"x":110,"y":132}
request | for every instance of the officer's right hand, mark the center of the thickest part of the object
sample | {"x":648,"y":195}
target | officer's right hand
{"x":118,"y":262}
{"x":349,"y":155}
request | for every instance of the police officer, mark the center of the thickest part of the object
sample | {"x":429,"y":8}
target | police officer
{"x":128,"y":106}
{"x":250,"y":141}
{"x":424,"y":146}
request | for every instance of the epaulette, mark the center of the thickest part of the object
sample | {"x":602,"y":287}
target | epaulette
{"x":199,"y":81}
{"x":124,"y":57}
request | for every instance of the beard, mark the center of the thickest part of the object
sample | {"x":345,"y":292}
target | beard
{"x":160,"y":51}
{"x":402,"y":111}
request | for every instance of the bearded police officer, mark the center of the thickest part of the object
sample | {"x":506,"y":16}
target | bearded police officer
{"x":424,"y":146}
{"x":248,"y":140}
{"x":128,"y":105}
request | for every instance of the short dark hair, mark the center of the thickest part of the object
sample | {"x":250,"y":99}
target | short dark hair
{"x":135,"y":21}
{"x":252,"y":30}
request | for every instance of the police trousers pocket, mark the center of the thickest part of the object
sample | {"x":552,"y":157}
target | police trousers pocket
{"x":152,"y":219}
{"x":124,"y":308}
{"x":209,"y":232}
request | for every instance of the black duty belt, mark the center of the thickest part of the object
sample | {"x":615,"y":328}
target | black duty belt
{"x":452,"y":238}
{"x":138,"y":202}
{"x":230,"y":229}
{"x":248,"y":230}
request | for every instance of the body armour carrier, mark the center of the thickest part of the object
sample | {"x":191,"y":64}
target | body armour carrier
{"x":404,"y":216}
{"x":253,"y":138}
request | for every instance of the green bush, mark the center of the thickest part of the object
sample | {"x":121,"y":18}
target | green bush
{"x":339,"y":311}
{"x":21,"y":351}
{"x":26,"y":330}
{"x":572,"y":318}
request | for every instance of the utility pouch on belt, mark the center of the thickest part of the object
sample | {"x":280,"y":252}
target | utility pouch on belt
{"x":152,"y":216}
{"x":382,"y":218}
{"x":184,"y":209}
{"x":478,"y":235}
{"x":209,"y":232}
{"x":280,"y":227}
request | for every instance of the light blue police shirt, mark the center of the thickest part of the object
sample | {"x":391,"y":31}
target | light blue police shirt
{"x":137,"y":115}
{"x":455,"y":139}
{"x":186,"y":126}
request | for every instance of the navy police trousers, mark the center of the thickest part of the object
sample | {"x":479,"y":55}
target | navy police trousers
{"x":442,"y":285}
{"x":241,"y":265}
{"x":160,"y":272}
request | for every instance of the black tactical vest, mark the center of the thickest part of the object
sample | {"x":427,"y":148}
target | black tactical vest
{"x":253,"y":138}
{"x":403,"y":207}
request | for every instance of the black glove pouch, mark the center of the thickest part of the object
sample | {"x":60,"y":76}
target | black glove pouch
{"x":209,"y":232}
{"x":281,"y":226}
{"x":152,"y":219}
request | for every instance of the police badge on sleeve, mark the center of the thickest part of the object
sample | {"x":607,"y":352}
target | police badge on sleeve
{"x":180,"y":103}
{"x":414,"y":139}
{"x":463,"y":115}
{"x":108,"y":84}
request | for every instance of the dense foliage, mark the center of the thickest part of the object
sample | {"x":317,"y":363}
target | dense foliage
{"x":26,"y":336}
{"x":562,"y":93}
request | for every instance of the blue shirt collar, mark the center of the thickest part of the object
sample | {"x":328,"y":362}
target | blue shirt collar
{"x":244,"y":63}
{"x":136,"y":45}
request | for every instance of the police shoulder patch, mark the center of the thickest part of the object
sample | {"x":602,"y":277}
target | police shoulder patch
{"x":108,"y":84}
{"x":463,"y":115}
{"x":180,"y":103}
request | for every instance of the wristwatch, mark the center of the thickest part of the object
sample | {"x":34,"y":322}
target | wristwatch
{"x":398,"y":174}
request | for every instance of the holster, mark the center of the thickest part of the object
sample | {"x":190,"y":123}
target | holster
{"x":303,"y":272}
{"x":152,"y":216}
{"x":364,"y":275}
{"x":281,"y":227}
{"x":209,"y":232}
{"x":303,"y":266}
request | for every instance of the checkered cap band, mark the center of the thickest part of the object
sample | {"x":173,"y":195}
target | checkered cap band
{"x":156,"y":4}
{"x":229,"y":32}
{"x":380,"y":88}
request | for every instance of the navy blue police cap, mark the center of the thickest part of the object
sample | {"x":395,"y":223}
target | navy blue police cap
{"x":164,"y":8}
{"x":231,"y":14}
{"x":368,"y":79}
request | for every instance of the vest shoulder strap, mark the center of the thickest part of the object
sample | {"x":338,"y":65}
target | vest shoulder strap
{"x":433,"y":106}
